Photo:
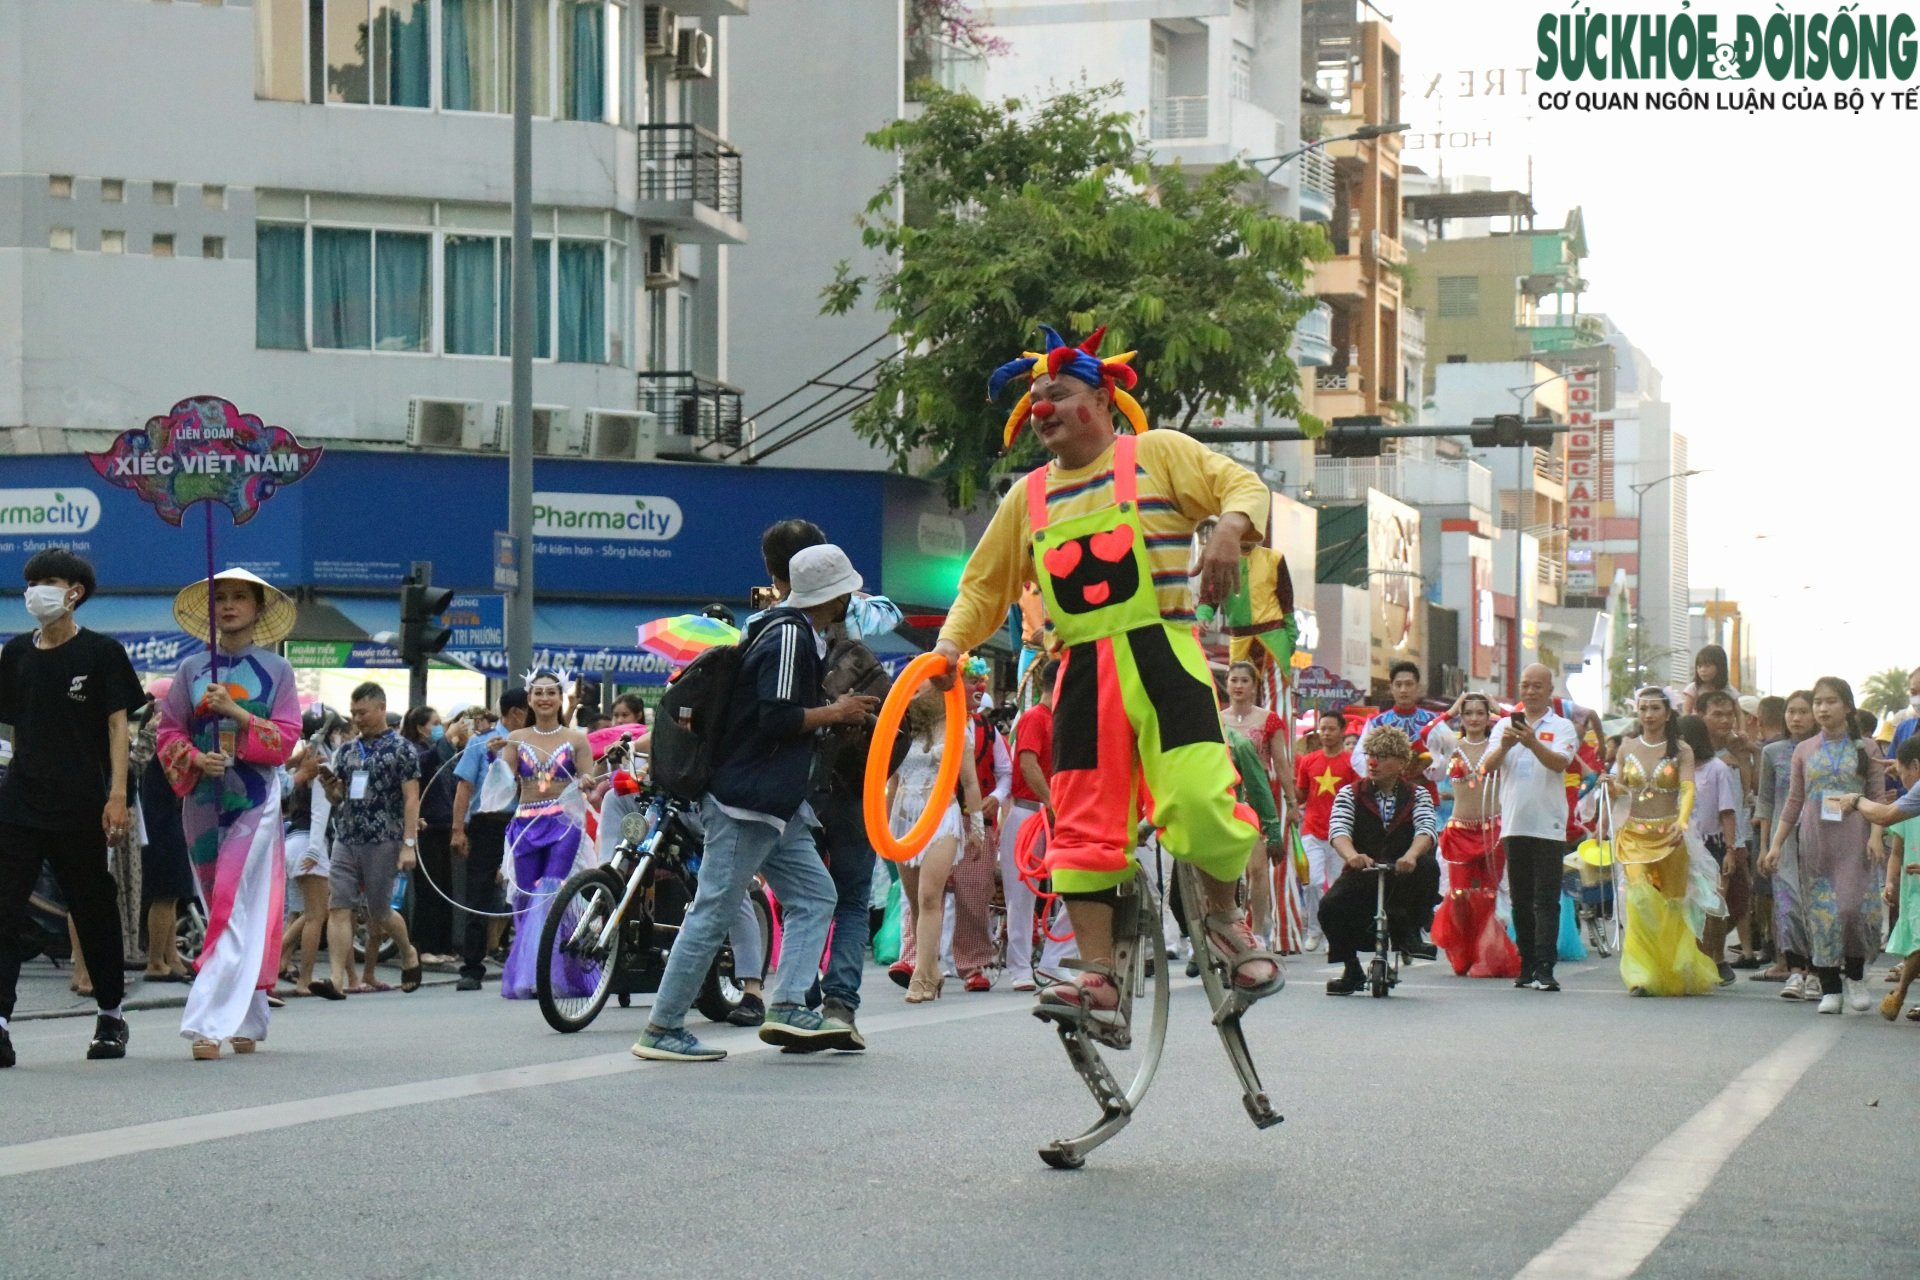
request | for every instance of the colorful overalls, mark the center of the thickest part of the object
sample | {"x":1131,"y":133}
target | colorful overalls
{"x":1134,"y":704}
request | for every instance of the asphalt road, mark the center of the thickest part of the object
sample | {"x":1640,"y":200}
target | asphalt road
{"x":1457,"y":1129}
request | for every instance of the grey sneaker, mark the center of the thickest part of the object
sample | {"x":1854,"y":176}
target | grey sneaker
{"x":836,"y":1010}
{"x":675,"y":1044}
{"x":798,"y":1027}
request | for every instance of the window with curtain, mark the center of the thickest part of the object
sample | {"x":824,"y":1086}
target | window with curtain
{"x":342,"y":288}
{"x":583,"y":302}
{"x":472,"y":45}
{"x":620,"y":306}
{"x":583,"y":59}
{"x":472,"y":297}
{"x":402,"y":52}
{"x":478,"y":292}
{"x":280,"y":287}
{"x":279,"y":39}
{"x":374,"y":52}
{"x":372,"y":291}
{"x":402,"y":291}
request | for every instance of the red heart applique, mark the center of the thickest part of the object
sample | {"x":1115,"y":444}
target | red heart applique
{"x":1062,"y":560}
{"x":1096,"y":593}
{"x":1114,"y":545}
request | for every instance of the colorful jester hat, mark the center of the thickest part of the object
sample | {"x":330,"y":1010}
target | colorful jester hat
{"x":1082,"y":362}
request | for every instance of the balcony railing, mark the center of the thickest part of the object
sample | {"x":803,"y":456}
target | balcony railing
{"x":689,"y":404}
{"x":1313,"y":337}
{"x":1413,"y":335}
{"x":1547,"y":466}
{"x":683,"y":162}
{"x":1177,"y":118}
{"x":945,"y":64}
{"x":1386,"y":249}
{"x":1317,"y":187}
{"x":1338,"y":380}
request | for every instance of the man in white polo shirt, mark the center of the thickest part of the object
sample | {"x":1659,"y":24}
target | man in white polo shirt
{"x":1531,"y":750}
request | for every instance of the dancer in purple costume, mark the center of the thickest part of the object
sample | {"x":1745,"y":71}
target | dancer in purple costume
{"x":546,"y":836}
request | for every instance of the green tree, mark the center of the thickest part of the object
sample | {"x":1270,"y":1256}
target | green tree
{"x":1003,"y":218}
{"x":1885,"y":692}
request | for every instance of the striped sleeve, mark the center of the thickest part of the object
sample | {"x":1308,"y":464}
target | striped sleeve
{"x":1341,"y":822}
{"x":1424,"y":823}
{"x":787,"y":664}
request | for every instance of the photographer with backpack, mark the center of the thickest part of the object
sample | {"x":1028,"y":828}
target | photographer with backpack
{"x":758,"y":757}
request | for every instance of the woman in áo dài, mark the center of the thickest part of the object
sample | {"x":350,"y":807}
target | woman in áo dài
{"x":229,"y":722}
{"x":1840,"y":853}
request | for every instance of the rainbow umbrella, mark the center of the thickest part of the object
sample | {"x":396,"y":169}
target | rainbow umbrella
{"x":685,"y":636}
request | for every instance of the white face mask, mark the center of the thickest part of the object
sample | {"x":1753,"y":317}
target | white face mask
{"x":1914,"y":702}
{"x":46,"y":603}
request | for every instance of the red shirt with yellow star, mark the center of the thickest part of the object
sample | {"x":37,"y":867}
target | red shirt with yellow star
{"x":1319,"y":777}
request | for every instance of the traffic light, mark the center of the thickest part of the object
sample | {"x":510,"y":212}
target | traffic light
{"x":1355,"y":437}
{"x":1511,"y":431}
{"x":421,"y":604}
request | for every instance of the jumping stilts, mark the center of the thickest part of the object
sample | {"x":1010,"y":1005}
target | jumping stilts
{"x":1137,"y":937}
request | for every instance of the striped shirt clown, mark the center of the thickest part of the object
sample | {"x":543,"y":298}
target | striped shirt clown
{"x":1104,"y":530}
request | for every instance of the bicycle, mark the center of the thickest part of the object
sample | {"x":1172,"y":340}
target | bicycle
{"x":611,"y":927}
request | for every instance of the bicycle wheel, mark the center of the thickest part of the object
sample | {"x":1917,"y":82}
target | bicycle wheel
{"x":575,"y":971}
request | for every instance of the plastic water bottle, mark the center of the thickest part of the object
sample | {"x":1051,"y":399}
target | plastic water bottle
{"x":400,"y":890}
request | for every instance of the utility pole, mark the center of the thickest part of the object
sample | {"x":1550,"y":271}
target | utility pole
{"x":520,"y":442}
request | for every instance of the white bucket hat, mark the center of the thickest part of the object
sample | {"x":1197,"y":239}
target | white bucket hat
{"x":277,"y":617}
{"x":819,"y":574}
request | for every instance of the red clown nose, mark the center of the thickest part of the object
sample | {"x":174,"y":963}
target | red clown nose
{"x":1043,"y":409}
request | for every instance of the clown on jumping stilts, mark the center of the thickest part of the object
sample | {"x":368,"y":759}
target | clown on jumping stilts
{"x":1105,"y":530}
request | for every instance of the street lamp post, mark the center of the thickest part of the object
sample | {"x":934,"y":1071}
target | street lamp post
{"x":1639,"y":563}
{"x":1364,"y":133}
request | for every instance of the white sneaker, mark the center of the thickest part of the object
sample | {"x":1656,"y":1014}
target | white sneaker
{"x":1856,"y":995}
{"x":1313,"y":941}
{"x":1829,"y":1004}
{"x":1023,"y":982}
{"x":1795,"y":987}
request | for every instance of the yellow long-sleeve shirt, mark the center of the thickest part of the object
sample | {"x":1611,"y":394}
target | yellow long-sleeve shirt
{"x":1182,"y":482}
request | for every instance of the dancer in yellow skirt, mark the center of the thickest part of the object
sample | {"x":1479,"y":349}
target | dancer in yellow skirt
{"x":1672,"y":883}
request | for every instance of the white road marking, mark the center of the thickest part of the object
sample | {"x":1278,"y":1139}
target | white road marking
{"x":1617,"y":1235}
{"x":161,"y":1135}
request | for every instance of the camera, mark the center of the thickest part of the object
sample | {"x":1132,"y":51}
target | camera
{"x":759,"y":598}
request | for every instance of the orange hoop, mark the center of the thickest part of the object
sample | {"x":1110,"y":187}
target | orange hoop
{"x":880,"y":755}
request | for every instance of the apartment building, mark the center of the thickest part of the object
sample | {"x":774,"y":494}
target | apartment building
{"x":315,"y":221}
{"x":1351,"y":78}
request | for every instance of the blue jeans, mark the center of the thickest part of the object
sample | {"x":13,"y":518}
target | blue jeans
{"x":850,"y":860}
{"x":736,"y":851}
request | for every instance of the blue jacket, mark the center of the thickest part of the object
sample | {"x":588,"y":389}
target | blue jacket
{"x":767,"y":758}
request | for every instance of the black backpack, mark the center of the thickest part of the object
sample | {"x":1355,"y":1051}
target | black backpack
{"x":690,"y":723}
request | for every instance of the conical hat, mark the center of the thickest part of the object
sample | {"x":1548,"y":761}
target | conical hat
{"x":276,"y":619}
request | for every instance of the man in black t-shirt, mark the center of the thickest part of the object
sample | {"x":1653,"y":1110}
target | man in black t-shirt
{"x":65,"y":692}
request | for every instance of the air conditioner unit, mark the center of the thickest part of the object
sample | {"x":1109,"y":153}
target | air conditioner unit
{"x":678,"y":446}
{"x":694,"y":59}
{"x":445,"y":424}
{"x":663,"y":262}
{"x":657,"y":37}
{"x":553,"y":436}
{"x":621,"y":434}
